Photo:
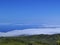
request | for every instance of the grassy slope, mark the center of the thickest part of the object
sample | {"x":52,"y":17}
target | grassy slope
{"x":31,"y":40}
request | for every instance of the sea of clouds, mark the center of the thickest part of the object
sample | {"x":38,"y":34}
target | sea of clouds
{"x":34,"y":31}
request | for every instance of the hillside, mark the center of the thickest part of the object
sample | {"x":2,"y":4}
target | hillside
{"x":31,"y":40}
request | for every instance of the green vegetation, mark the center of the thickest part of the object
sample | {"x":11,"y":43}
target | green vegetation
{"x":31,"y":40}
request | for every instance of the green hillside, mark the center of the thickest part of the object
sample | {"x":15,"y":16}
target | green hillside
{"x":31,"y":40}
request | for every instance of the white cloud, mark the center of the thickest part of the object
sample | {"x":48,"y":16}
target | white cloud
{"x":30,"y":32}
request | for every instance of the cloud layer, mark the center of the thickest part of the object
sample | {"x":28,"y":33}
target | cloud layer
{"x":30,"y":32}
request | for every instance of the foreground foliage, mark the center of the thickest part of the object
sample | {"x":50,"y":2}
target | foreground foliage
{"x":31,"y":40}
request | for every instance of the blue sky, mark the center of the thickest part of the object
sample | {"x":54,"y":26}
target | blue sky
{"x":30,"y":11}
